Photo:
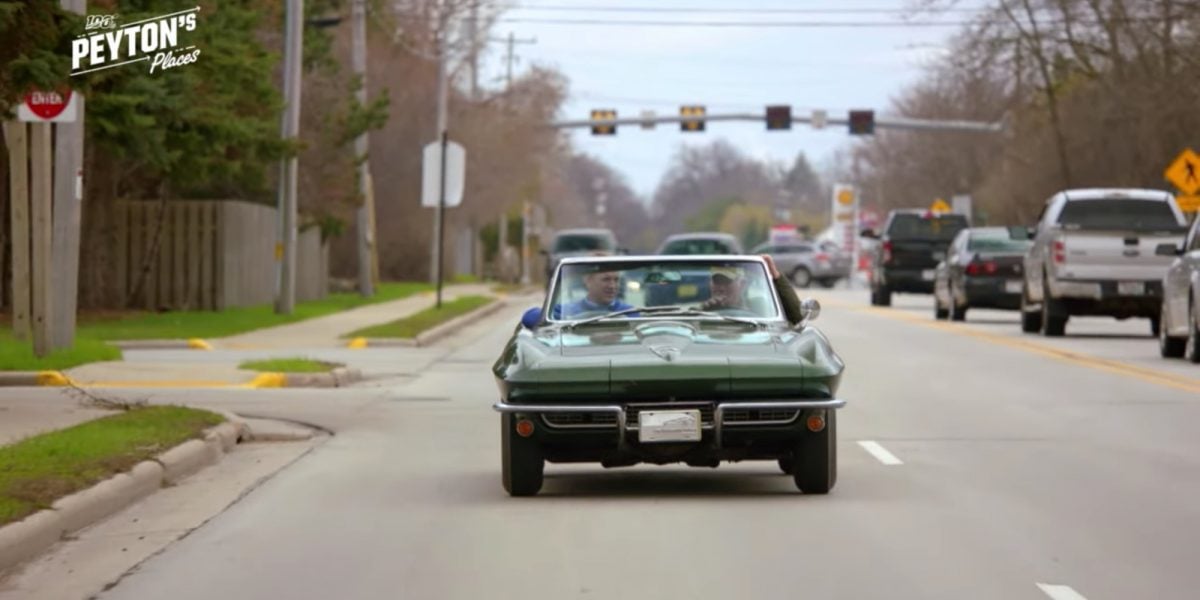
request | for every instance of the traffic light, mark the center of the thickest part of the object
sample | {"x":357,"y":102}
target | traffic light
{"x":862,"y":122}
{"x":779,"y":117}
{"x":604,"y":114}
{"x":693,"y":118}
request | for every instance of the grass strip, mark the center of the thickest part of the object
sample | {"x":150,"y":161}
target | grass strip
{"x":289,"y":365}
{"x":18,"y":356}
{"x":412,"y":325}
{"x":36,"y":471}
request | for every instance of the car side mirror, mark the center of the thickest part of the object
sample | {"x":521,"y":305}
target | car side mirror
{"x":810,"y":309}
{"x":1167,"y":250}
{"x":531,"y":318}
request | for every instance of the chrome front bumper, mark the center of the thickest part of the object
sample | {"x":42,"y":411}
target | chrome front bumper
{"x":718,"y":411}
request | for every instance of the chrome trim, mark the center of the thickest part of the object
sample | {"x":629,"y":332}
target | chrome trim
{"x":795,"y":415}
{"x":719,"y":409}
{"x":576,"y":425}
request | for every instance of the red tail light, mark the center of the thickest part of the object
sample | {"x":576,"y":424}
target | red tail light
{"x":887,"y":252}
{"x":1060,"y":252}
{"x":982,"y":268}
{"x":822,"y":257}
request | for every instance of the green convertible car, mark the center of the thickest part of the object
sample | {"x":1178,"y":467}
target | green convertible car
{"x":667,"y":359}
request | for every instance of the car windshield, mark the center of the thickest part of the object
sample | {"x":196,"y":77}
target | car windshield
{"x":582,"y":243}
{"x":921,"y":227}
{"x":1125,"y":214}
{"x":697,"y":246}
{"x":728,"y":288}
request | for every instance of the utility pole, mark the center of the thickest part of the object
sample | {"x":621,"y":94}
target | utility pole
{"x":472,"y":34}
{"x":443,"y":85}
{"x":510,"y":56}
{"x":68,"y":196}
{"x":365,"y":214}
{"x":285,"y":248}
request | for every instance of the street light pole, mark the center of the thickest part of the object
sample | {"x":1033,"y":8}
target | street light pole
{"x":285,"y":249}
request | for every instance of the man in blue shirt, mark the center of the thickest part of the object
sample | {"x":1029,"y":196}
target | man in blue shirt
{"x":602,"y":289}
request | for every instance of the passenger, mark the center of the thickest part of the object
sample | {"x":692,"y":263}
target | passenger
{"x":602,"y":289}
{"x":728,"y":285}
{"x":787,"y":293}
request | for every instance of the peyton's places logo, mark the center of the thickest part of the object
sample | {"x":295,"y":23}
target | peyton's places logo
{"x":155,"y":40}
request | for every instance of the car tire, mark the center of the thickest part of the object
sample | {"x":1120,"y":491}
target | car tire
{"x":1155,"y":325}
{"x":939,"y":313}
{"x":1031,"y":320}
{"x":828,"y":282}
{"x":957,"y":313}
{"x":786,"y":464}
{"x":815,"y":460}
{"x":1192,"y":345}
{"x":522,"y":463}
{"x":881,"y":297}
{"x":1169,"y":347}
{"x":801,"y":277}
{"x":1054,"y":318}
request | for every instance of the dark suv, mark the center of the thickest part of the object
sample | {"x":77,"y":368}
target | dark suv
{"x":914,"y":241}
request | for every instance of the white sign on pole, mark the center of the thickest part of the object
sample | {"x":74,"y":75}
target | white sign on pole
{"x":962,"y":205}
{"x":647,"y":119}
{"x":819,"y":118}
{"x":456,"y":174}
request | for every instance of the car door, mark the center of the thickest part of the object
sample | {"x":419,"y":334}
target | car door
{"x":1183,"y":277}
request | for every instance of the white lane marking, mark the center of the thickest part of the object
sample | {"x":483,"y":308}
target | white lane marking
{"x":1060,"y":592}
{"x":880,"y":453}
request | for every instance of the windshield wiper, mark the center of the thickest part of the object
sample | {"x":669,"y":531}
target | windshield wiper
{"x":708,"y":313}
{"x":623,"y":312}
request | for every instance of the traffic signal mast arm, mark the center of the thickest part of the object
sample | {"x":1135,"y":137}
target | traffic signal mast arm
{"x":900,"y":123}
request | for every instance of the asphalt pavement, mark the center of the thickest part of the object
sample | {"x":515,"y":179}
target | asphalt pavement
{"x":975,"y":462}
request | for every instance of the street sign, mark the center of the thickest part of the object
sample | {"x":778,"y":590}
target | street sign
{"x":939,"y":206}
{"x":962,"y":205}
{"x":456,"y":174}
{"x":647,"y":119}
{"x":819,"y":118}
{"x":1188,"y":203}
{"x":48,"y":107}
{"x":1184,"y":172}
{"x":845,"y":196}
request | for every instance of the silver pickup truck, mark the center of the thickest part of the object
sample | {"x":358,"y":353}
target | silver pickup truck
{"x":1094,"y":254}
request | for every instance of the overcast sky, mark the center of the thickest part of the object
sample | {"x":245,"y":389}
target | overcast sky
{"x":632,"y":68}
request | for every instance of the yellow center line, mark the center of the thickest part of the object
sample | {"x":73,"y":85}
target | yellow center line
{"x":1155,"y":376}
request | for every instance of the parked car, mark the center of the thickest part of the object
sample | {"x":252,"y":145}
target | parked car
{"x":578,"y":242}
{"x":982,"y":269}
{"x":1179,"y":332}
{"x":668,"y":383}
{"x":806,"y":262}
{"x":913,"y":242}
{"x":700,"y":243}
{"x":1094,"y":253}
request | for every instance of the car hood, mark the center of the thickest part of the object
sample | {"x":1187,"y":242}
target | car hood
{"x":678,"y":359}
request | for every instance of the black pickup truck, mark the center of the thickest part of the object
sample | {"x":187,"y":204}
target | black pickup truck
{"x":913,"y":242}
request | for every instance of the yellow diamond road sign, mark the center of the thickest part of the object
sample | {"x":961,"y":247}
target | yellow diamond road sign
{"x":1188,"y":203}
{"x":1185,"y":172}
{"x":939,"y":205}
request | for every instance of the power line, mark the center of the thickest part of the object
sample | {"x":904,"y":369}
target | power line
{"x":824,"y":24}
{"x":738,"y":10}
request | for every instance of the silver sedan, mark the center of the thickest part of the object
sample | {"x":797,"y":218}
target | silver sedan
{"x":1179,"y":334}
{"x":806,"y":262}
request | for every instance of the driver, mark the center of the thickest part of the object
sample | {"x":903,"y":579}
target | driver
{"x":727,"y":286}
{"x":602,"y":289}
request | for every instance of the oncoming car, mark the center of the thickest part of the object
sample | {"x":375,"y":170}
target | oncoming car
{"x":696,"y":378}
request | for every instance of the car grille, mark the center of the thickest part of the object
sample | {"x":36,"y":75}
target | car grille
{"x":760,"y":417}
{"x":733,"y":417}
{"x":580,"y":419}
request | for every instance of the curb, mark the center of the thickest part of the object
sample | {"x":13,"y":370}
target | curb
{"x":433,"y":334}
{"x":33,"y":379}
{"x":339,"y":377}
{"x":30,"y":537}
{"x":191,"y":343}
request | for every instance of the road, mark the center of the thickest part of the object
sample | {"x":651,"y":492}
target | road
{"x":975,"y":462}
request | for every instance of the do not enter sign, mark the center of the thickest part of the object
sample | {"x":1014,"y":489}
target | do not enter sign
{"x":40,"y":106}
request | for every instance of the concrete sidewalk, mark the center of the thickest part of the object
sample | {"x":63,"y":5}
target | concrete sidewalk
{"x":326,"y":332}
{"x":23,"y":414}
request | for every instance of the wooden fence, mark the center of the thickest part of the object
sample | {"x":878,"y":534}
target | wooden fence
{"x":209,"y":255}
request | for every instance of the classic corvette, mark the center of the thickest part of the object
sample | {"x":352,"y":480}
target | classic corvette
{"x":667,"y":372}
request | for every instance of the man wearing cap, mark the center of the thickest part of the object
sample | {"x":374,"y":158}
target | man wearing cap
{"x":602,"y":289}
{"x":728,"y":284}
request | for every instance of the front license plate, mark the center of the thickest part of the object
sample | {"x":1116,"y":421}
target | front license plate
{"x":669,"y":426}
{"x":688,"y":290}
{"x":1012,"y":286}
{"x":1131,"y":288}
{"x":927,"y":274}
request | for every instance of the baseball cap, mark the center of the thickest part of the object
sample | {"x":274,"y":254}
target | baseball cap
{"x":730,"y":273}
